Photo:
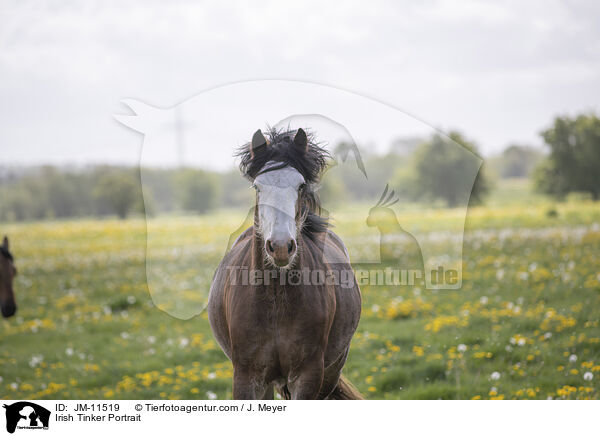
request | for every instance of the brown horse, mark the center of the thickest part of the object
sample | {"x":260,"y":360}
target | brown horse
{"x":7,"y":274}
{"x":284,"y":302}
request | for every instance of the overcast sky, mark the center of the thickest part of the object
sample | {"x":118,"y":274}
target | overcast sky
{"x":499,"y":72}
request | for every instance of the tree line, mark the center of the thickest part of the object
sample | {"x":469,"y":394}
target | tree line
{"x":419,"y":169}
{"x":57,"y":192}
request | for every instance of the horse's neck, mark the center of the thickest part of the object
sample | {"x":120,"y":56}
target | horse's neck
{"x":257,"y":250}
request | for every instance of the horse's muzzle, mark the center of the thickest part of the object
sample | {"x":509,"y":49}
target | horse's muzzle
{"x":281,"y":250}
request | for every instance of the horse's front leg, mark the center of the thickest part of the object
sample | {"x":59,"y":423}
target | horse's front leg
{"x":307,"y":384}
{"x":244,"y":385}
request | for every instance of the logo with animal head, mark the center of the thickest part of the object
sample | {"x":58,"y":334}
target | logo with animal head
{"x":26,"y":415}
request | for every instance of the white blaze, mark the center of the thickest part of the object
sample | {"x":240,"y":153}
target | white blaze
{"x":277,"y":197}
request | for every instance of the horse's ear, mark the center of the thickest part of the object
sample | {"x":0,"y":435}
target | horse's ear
{"x":5,"y":243}
{"x":258,"y":143}
{"x":301,"y":140}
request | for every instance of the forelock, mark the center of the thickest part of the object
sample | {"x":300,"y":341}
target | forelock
{"x":281,"y":149}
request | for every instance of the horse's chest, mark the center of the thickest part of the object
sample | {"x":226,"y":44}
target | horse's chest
{"x":280,"y":331}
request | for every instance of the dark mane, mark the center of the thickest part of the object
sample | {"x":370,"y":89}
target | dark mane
{"x":281,"y":149}
{"x":314,"y":224}
{"x":6,"y":254}
{"x":309,"y":163}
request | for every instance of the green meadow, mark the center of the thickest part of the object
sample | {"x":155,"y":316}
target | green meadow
{"x":524,"y":325}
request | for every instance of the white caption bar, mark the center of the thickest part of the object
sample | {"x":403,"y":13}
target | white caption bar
{"x":338,"y":417}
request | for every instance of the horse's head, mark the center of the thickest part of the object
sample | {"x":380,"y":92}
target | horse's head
{"x":7,"y":274}
{"x":282,"y":171}
{"x":382,"y":213}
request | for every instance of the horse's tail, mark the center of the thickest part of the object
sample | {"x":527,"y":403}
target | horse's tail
{"x":345,"y":391}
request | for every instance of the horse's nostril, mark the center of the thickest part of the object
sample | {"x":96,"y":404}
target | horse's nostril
{"x":270,"y":247}
{"x":291,"y":246}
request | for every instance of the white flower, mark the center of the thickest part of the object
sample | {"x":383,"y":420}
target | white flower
{"x":495,"y":375}
{"x":375,"y":308}
{"x":36,"y":360}
{"x":547,"y":335}
{"x":1,"y":379}
{"x":124,"y":335}
{"x":151,"y":339}
{"x":523,"y":275}
{"x":183,"y":342}
{"x":211,"y":395}
{"x":483,"y":300}
{"x":521,"y":342}
{"x":131,"y":299}
{"x":461,"y":348}
{"x":14,"y":386}
{"x":508,"y":348}
{"x":572,"y":358}
{"x":69,"y":351}
{"x":588,"y":376}
{"x":212,"y":376}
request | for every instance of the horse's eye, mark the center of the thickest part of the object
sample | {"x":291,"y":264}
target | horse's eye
{"x":302,"y":187}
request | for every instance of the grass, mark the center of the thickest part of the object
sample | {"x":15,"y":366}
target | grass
{"x":524,"y":325}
